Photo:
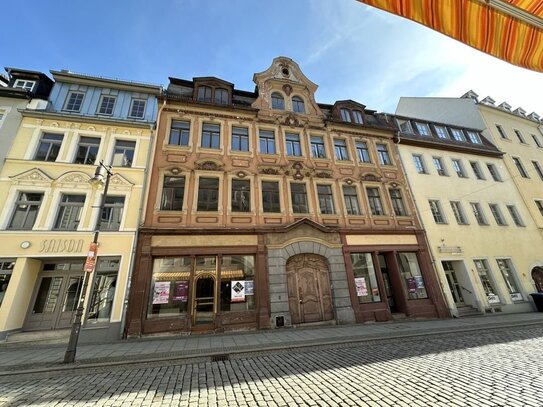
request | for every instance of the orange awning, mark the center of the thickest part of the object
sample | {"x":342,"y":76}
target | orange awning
{"x":511,"y":30}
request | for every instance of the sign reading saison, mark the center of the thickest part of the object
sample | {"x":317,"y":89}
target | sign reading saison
{"x":180,"y":291}
{"x":237,"y":291}
{"x":161,"y":292}
{"x":90,"y":263}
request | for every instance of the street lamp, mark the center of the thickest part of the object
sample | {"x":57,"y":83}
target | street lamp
{"x":102,"y":171}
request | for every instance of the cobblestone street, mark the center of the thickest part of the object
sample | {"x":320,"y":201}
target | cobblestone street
{"x":486,"y":368}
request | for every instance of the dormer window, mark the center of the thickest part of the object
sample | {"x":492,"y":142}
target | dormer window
{"x":204,"y":94}
{"x":23,"y":84}
{"x":423,"y":129}
{"x":74,"y":101}
{"x":298,"y":105}
{"x":358,"y":118}
{"x":345,"y":115}
{"x":221,"y":96}
{"x":405,"y":126}
{"x":278,"y":102}
{"x":473,"y":137}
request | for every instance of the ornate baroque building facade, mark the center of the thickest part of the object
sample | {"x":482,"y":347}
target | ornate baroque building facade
{"x":268,"y":209}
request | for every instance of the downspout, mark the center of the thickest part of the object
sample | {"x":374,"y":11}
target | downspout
{"x":141,"y":213}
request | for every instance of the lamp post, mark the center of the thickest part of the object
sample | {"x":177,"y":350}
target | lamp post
{"x":102,"y":171}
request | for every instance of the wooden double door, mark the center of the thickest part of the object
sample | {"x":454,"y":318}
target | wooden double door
{"x":309,"y":293}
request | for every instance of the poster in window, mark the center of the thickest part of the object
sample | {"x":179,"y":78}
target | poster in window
{"x":180,"y":291}
{"x":249,"y":287}
{"x":237,"y":291}
{"x":161,"y":292}
{"x":419,"y":282}
{"x":411,"y":284}
{"x":361,"y":288}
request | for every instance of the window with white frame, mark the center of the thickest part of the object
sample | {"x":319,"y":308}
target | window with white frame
{"x":298,"y":196}
{"x":493,"y":170}
{"x":318,"y":149}
{"x":208,"y":194}
{"x":107,"y":104}
{"x":423,"y":129}
{"x":478,"y":213}
{"x":437,"y":212}
{"x":458,"y":168}
{"x":374,"y":199}
{"x":515,"y":215}
{"x":519,"y":136}
{"x":502,"y":132}
{"x":350,"y":196}
{"x":137,"y":108}
{"x":441,"y":132}
{"x":267,"y":141}
{"x":358,"y":118}
{"x":397,"y":202}
{"x":458,"y":212}
{"x":477,"y":170}
{"x":26,"y":210}
{"x":49,"y":147}
{"x":204,"y":94}
{"x":497,"y":213}
{"x":362,"y":152}
{"x":457,"y":134}
{"x":538,"y":169}
{"x":536,"y":141}
{"x":87,"y":150}
{"x":383,"y":155}
{"x":298,"y":105}
{"x":404,"y":125}
{"x":326,"y":199}
{"x":473,"y":137}
{"x":173,"y":193}
{"x":179,"y":133}
{"x":278,"y":102}
{"x":419,"y":164}
{"x":520,"y":167}
{"x":345,"y":115}
{"x":211,"y":136}
{"x":74,"y":100}
{"x":438,"y":163}
{"x":123,"y":155}
{"x":508,"y":273}
{"x":24,"y":84}
{"x":488,"y":285}
{"x":112,"y":213}
{"x":340,"y":147}
{"x":292,"y":143}
{"x":221,"y":96}
{"x":241,"y":195}
{"x":271,"y":201}
{"x":69,"y":212}
{"x":240,"y":139}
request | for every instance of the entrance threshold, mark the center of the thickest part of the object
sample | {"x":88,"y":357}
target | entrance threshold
{"x":40,"y":337}
{"x":315,"y":324}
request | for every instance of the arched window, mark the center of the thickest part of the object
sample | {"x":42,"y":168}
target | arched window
{"x":345,"y":115}
{"x":204,"y":94}
{"x":221,"y":96}
{"x":298,"y":104}
{"x":278,"y":102}
{"x":358,"y":117}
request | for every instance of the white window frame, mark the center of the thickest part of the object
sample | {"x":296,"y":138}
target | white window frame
{"x":134,"y":100}
{"x":24,"y":84}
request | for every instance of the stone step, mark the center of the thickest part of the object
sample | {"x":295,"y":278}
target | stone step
{"x":468,"y":312}
{"x":43,"y":337}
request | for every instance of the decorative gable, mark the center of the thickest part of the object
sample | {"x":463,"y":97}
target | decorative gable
{"x":73,"y":179}
{"x":35,"y":176}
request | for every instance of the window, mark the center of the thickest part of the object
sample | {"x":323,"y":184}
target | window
{"x":478,"y":213}
{"x":502,"y":132}
{"x":103,"y":292}
{"x":112,"y":213}
{"x":69,"y":212}
{"x":169,"y":296}
{"x":237,"y":273}
{"x":298,"y":104}
{"x":383,"y":155}
{"x":438,"y":163}
{"x":476,"y":170}
{"x":241,"y":195}
{"x":473,"y":137}
{"x":350,"y":196}
{"x":441,"y":132}
{"x":374,"y":199}
{"x":173,"y":192}
{"x":536,"y":141}
{"x":298,"y":197}
{"x":221,"y":96}
{"x":365,"y":279}
{"x":107,"y":103}
{"x":340,"y":147}
{"x":74,"y":101}
{"x":458,"y":212}
{"x":240,"y":139}
{"x":211,"y":136}
{"x":267,"y":141}
{"x":317,"y":147}
{"x":208,"y":194}
{"x":538,"y":169}
{"x":345,"y":115}
{"x":270,"y":197}
{"x":405,"y":126}
{"x":397,"y":202}
{"x":457,"y":134}
{"x":87,"y":150}
{"x":488,"y":285}
{"x":326,"y":200}
{"x":437,"y":213}
{"x":508,"y":274}
{"x":362,"y":152}
{"x":419,"y":164}
{"x":6,"y":267}
{"x":23,"y":84}
{"x":495,"y":209}
{"x":204,"y":94}
{"x":278,"y":103}
{"x":520,"y":167}
{"x":26,"y":210}
{"x":179,"y":133}
{"x":137,"y":109}
{"x":539,"y":205}
{"x":412,"y":279}
{"x":494,"y":172}
{"x":423,"y":129}
{"x":458,"y":168}
{"x":292,"y":142}
{"x":515,"y":215}
{"x":519,"y":136}
{"x":358,"y":118}
{"x":49,"y":147}
{"x":123,"y":155}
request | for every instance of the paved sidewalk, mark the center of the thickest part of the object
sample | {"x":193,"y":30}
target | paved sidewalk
{"x":19,"y":358}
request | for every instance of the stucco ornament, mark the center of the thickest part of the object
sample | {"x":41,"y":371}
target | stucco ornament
{"x":209,"y":166}
{"x":287,"y":89}
{"x":370,"y":177}
{"x":73,"y":178}
{"x":33,"y":176}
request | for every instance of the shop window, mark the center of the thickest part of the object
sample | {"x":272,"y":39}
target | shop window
{"x":270,"y":197}
{"x":488,"y":285}
{"x":362,"y":152}
{"x":211,"y":136}
{"x":26,"y":210}
{"x":298,"y":104}
{"x":340,"y":147}
{"x":298,"y":196}
{"x":179,"y":133}
{"x":241,"y":195}
{"x":237,"y":283}
{"x":374,"y":199}
{"x":318,"y":149}
{"x":123,"y":156}
{"x":350,"y":196}
{"x":169,"y":294}
{"x":208,"y":194}
{"x":173,"y":192}
{"x":267,"y":141}
{"x":278,"y":102}
{"x":103,"y":290}
{"x":112,"y":213}
{"x":397,"y":202}
{"x":87,"y":150}
{"x":411,"y":276}
{"x":292,"y":142}
{"x":240,"y":139}
{"x":69,"y":212}
{"x":6,"y":267}
{"x":49,"y":147}
{"x":365,"y":280}
{"x":326,"y":199}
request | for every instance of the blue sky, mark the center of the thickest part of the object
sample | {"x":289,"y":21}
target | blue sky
{"x":350,"y":50}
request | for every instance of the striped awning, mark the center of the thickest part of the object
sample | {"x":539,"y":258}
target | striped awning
{"x":511,"y":30}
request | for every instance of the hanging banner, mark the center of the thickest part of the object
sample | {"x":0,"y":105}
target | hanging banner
{"x":180,"y":291}
{"x":249,"y":287}
{"x":238,"y":291}
{"x":90,"y":263}
{"x":161,"y":292}
{"x":361,"y":289}
{"x":411,"y":284}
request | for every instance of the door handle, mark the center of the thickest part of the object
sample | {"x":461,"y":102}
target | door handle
{"x":300,"y":301}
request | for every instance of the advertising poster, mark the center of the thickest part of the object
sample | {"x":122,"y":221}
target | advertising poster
{"x":181,"y":291}
{"x":238,"y":291}
{"x":411,"y":284}
{"x":249,"y":287}
{"x":161,"y":293}
{"x":361,"y":289}
{"x":419,"y":281}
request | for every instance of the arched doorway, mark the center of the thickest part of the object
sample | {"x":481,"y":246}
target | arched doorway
{"x":309,"y":294}
{"x":537,"y":276}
